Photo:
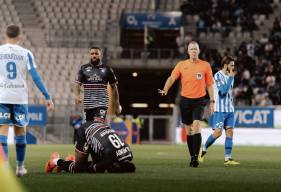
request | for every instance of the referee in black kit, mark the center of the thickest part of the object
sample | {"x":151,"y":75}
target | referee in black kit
{"x":94,"y":77}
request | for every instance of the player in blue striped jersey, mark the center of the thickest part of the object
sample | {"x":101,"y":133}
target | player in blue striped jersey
{"x":223,"y":116}
{"x":15,"y":62}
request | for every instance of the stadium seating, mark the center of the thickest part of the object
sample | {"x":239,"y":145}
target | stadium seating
{"x":71,"y":27}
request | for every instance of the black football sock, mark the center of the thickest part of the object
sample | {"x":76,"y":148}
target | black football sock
{"x":190,"y":143}
{"x":197,"y":143}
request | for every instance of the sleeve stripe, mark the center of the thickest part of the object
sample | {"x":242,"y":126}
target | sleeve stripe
{"x":30,"y":59}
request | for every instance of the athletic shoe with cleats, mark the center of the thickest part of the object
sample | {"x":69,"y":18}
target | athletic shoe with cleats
{"x":201,"y":155}
{"x":231,"y":162}
{"x":57,"y":170}
{"x":194,"y":162}
{"x":49,"y":166}
{"x":70,"y":158}
{"x":21,"y":171}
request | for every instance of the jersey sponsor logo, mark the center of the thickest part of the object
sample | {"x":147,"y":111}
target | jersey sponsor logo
{"x":10,"y":85}
{"x":94,"y":77}
{"x":5,"y":115}
{"x":20,"y":117}
{"x":122,"y":151}
{"x":199,"y":76}
{"x":88,"y":69}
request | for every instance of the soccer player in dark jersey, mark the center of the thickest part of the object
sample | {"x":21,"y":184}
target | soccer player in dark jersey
{"x":94,"y":77}
{"x":108,"y":152}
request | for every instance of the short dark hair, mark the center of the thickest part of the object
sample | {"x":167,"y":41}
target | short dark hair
{"x":227,"y":60}
{"x":13,"y":31}
{"x":94,"y":47}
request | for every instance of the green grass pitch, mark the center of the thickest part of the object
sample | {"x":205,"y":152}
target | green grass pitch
{"x":162,"y":168}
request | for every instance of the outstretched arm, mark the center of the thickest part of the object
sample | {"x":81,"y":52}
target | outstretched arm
{"x":40,"y":85}
{"x":170,"y":81}
{"x":115,"y":99}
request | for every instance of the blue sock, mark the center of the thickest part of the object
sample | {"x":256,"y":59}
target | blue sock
{"x":20,"y":149}
{"x":228,"y":147}
{"x":209,"y":142}
{"x":3,"y":142}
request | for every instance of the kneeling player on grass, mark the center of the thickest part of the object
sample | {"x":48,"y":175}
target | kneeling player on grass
{"x":107,"y":151}
{"x":223,"y":116}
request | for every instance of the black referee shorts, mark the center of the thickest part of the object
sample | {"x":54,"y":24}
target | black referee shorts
{"x":192,"y":109}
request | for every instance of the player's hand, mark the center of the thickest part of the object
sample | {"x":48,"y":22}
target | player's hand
{"x":162,"y":92}
{"x":118,"y":110}
{"x":50,"y":105}
{"x":78,"y":99}
{"x":231,"y":72}
{"x":211,"y":108}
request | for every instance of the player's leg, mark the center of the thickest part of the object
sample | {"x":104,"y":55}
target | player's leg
{"x":186,"y":115}
{"x":101,"y":165}
{"x":216,"y":122}
{"x":197,"y":116}
{"x":211,"y":139}
{"x":228,"y":142}
{"x":229,"y":126}
{"x":4,"y":129}
{"x":189,"y":139}
{"x":77,"y":166}
{"x":122,"y":167}
{"x":20,"y":141}
{"x":81,"y":156}
{"x":20,"y":120}
{"x":5,"y":120}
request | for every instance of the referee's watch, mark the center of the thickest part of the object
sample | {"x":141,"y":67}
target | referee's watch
{"x":212,"y":101}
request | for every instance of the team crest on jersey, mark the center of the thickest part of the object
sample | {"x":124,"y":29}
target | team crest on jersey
{"x":94,"y":77}
{"x":199,"y":76}
{"x":89,"y":69}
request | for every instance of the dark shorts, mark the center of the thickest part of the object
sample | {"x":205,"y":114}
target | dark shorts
{"x":99,"y":112}
{"x":192,"y":109}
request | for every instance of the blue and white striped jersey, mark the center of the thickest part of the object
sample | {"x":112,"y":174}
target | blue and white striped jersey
{"x":15,"y":62}
{"x":223,"y":92}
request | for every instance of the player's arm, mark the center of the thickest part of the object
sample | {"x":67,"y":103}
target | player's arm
{"x":115,"y":99}
{"x":112,"y":79}
{"x":224,"y":87}
{"x":210,"y":87}
{"x":38,"y":81}
{"x":77,"y":87}
{"x":77,"y":92}
{"x":170,"y":81}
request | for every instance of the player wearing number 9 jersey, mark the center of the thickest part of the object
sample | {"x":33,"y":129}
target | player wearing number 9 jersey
{"x":107,"y":150}
{"x":15,"y":62}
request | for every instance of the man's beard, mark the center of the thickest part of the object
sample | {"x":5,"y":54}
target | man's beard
{"x":95,"y":62}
